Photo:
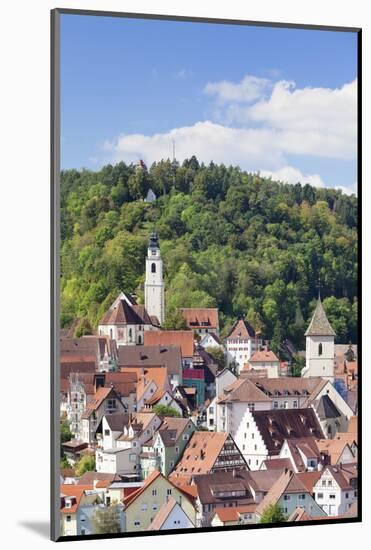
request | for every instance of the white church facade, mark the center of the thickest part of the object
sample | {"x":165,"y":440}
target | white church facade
{"x":320,"y":346}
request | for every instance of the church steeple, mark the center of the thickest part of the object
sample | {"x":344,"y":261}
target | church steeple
{"x":319,"y":325}
{"x":154,"y":287}
{"x":320,"y":346}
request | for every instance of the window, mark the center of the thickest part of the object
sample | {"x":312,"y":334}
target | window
{"x":107,"y":432}
{"x":211,"y":410}
{"x":332,"y":496}
{"x":275,"y":404}
{"x":130,"y":334}
{"x":68,"y":518}
{"x":295,"y":404}
{"x":255,"y":447}
{"x":185,"y":437}
{"x":177,"y":449}
{"x":329,"y":483}
{"x":168,"y":491}
{"x":302,"y":497}
{"x":346,"y":495}
{"x":252,"y":436}
{"x":139,"y":339}
{"x":286,"y":497}
{"x":154,"y":492}
{"x":136,"y":523}
{"x":171,"y":464}
{"x":83,"y":532}
{"x":153,"y":268}
{"x":320,"y":349}
{"x":144,"y":508}
{"x":320,"y":496}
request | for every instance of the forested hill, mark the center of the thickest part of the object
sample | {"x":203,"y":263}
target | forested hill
{"x":248,"y":245}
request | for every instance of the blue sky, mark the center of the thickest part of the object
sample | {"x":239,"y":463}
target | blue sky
{"x":278,"y":101}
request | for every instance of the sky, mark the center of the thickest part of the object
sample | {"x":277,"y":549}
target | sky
{"x":277,"y":101}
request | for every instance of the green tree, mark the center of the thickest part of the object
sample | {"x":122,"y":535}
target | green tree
{"x":83,"y":328}
{"x":174,"y":320}
{"x":66,"y":434}
{"x":85,"y":464}
{"x":298,"y":363}
{"x":273,"y":514}
{"x":106,"y":520}
{"x":164,"y":410}
{"x":219,"y":356}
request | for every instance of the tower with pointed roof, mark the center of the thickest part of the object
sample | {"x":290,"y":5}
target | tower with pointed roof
{"x":154,"y":287}
{"x":320,"y":346}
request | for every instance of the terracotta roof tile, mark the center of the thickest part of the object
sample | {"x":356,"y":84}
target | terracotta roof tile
{"x":181,"y":338}
{"x":201,"y":317}
{"x":241,"y":329}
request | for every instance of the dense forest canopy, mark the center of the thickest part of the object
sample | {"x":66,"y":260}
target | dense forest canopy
{"x":250,"y":246}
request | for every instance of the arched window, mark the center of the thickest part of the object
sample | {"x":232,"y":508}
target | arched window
{"x":153,"y":268}
{"x":319,"y":349}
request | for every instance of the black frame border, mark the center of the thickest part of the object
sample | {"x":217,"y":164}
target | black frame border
{"x":55,"y":266}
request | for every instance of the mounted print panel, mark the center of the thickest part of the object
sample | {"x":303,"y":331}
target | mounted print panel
{"x":206,"y":345}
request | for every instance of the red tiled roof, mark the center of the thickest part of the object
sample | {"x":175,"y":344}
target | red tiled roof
{"x":265,"y":356}
{"x":201,"y":317}
{"x":182,"y":338}
{"x":241,"y":329}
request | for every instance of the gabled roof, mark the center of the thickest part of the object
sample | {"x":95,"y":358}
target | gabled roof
{"x":319,"y":324}
{"x":99,"y":397}
{"x":289,"y":385}
{"x":171,"y":429}
{"x":277,"y":464}
{"x":206,"y":317}
{"x":213,"y":336}
{"x":309,"y":479}
{"x":241,"y":329}
{"x":334,"y":448}
{"x":209,"y":485}
{"x":122,"y":313}
{"x":234,"y":514}
{"x":164,"y":513}
{"x":201,"y":453}
{"x":326,"y":408}
{"x":343,"y":474}
{"x":116,"y":422}
{"x":264,"y":356}
{"x":287,"y":483}
{"x":181,"y":338}
{"x":151,"y":356}
{"x":147,"y":483}
{"x":243,"y":390}
{"x":279,"y":424}
{"x":72,"y":490}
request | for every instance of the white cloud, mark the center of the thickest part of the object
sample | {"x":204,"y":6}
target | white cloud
{"x":261,"y":124}
{"x":289,"y":174}
{"x":247,"y":147}
{"x":249,"y":89}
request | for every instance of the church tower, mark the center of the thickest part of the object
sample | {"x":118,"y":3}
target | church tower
{"x":320,"y":346}
{"x":154,"y":288}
